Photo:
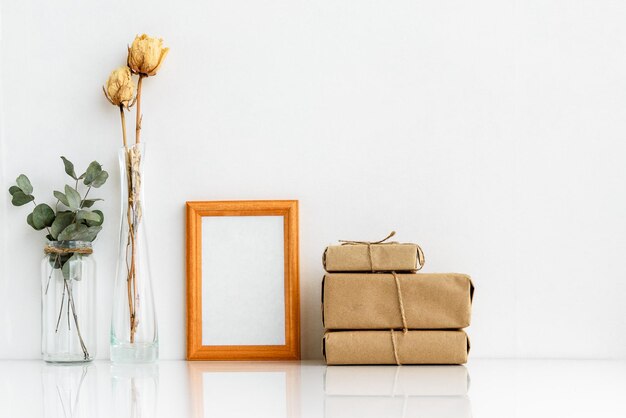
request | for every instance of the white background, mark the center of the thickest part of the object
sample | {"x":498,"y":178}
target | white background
{"x":493,"y":132}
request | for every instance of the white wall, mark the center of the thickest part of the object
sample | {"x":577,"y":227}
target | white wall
{"x":492,"y":132}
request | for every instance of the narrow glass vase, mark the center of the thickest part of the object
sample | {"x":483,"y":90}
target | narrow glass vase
{"x":134,"y":334}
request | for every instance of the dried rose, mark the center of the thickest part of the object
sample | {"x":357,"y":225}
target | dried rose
{"x":146,"y":55}
{"x":120,"y":89}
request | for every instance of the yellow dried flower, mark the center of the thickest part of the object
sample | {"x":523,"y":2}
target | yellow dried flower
{"x":146,"y":55}
{"x":120,"y":89}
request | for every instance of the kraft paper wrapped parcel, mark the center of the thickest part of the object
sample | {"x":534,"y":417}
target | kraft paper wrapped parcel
{"x":376,"y":308}
{"x":396,"y":347}
{"x":371,"y":301}
{"x":373,"y":257}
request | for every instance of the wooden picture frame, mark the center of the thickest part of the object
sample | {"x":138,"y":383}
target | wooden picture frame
{"x":200,"y":212}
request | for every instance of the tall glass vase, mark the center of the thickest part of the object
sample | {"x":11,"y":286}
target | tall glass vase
{"x":134,"y":335}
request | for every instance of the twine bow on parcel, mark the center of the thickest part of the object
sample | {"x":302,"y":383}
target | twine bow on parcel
{"x":420,"y":253}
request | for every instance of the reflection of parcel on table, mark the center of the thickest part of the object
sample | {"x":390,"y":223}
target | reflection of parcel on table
{"x":400,"y":407}
{"x":396,"y":381}
{"x":396,"y":391}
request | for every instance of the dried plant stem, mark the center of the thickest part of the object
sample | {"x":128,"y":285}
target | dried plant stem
{"x":132,"y":282}
{"x":131,"y":219}
{"x":138,"y":115}
{"x":131,"y":213}
{"x":133,"y":328}
{"x":123,"y":126}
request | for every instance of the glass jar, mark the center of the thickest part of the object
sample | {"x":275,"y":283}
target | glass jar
{"x":68,"y":302}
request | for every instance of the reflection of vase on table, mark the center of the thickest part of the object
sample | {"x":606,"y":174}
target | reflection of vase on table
{"x":135,"y":390}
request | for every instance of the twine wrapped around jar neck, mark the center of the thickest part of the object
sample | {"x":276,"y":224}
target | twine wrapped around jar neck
{"x":59,"y":250}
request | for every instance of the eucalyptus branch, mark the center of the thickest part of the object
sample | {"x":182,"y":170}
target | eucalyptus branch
{"x":70,"y":300}
{"x":60,"y":310}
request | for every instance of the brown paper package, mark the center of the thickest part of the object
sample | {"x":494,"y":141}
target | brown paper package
{"x":385,"y":257}
{"x":414,"y":347}
{"x":370,"y":301}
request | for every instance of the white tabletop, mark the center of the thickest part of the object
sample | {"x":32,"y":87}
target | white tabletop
{"x":483,"y":388}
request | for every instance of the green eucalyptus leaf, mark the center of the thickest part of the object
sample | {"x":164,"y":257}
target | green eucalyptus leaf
{"x":66,"y":270}
{"x":24,"y":184}
{"x":87,"y":215}
{"x":20,"y":198}
{"x":43,"y":216}
{"x":62,"y":198}
{"x":62,"y":221}
{"x":69,"y":168}
{"x":31,"y":222}
{"x":92,"y":172}
{"x":91,"y":233}
{"x":87,"y":203}
{"x":79,"y":232}
{"x":73,"y":232}
{"x":100,"y":179}
{"x":99,"y":221}
{"x":14,"y":189}
{"x":69,"y":268}
{"x":73,"y":198}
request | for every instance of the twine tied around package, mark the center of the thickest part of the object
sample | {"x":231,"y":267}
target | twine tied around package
{"x":395,"y":347}
{"x":405,"y":329}
{"x":48,"y":249}
{"x":420,"y":253}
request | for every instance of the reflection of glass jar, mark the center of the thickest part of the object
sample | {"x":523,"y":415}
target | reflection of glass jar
{"x":70,"y":391}
{"x":68,"y":316}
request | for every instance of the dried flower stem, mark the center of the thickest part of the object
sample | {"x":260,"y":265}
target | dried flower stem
{"x":131,"y":280}
{"x":123,"y":126}
{"x":138,"y":116}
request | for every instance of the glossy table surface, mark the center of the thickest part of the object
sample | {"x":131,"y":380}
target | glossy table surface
{"x":483,"y":388}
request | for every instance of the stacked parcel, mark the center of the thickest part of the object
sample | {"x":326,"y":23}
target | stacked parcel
{"x":377,"y":309}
